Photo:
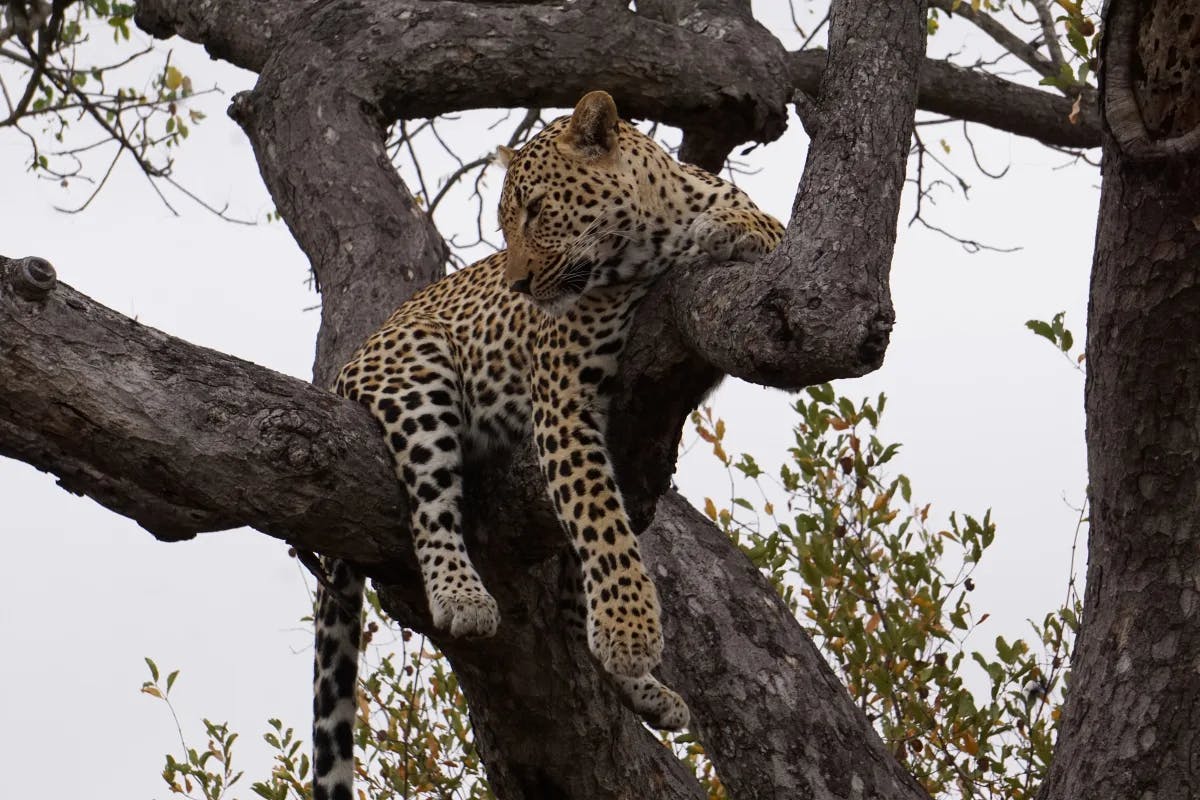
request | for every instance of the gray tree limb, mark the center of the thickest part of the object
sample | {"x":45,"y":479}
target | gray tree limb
{"x":184,"y":440}
{"x":739,"y":625}
{"x":975,"y":96}
{"x":659,"y":86}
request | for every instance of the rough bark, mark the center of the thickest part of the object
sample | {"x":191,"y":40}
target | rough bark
{"x":659,"y":90}
{"x":842,"y":230}
{"x":183,"y":439}
{"x":332,"y":75}
{"x":736,"y":623}
{"x":975,"y":96}
{"x":1132,"y":717}
{"x":170,"y":426}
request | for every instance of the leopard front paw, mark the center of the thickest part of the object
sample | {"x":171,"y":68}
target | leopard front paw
{"x":724,"y":239}
{"x":714,"y":236}
{"x":464,"y":611}
{"x":623,"y":628}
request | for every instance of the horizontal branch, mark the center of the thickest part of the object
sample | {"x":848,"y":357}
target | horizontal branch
{"x":241,"y":32}
{"x":184,"y":439}
{"x":738,"y":84}
{"x":975,"y":96}
{"x":425,"y":59}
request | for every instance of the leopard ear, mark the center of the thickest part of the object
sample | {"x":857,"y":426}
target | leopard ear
{"x":503,"y":156}
{"x":592,"y":132}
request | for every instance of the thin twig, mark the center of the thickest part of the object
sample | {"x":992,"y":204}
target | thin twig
{"x":1048,"y":33}
{"x":975,"y":156}
{"x":999,"y":34}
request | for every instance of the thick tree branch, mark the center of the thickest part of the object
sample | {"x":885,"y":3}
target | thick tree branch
{"x":242,"y":32}
{"x":785,"y":707}
{"x":184,"y":439}
{"x":821,"y":302}
{"x":570,"y":61}
{"x":975,"y":96}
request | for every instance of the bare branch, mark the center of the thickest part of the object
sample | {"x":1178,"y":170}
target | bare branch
{"x":999,"y":34}
{"x":978,"y":97}
{"x":1049,"y":35}
{"x":47,"y":38}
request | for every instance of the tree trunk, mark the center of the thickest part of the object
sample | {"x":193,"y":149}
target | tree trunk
{"x":1131,"y":726}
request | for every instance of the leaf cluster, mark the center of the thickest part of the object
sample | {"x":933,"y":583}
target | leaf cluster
{"x":81,"y":101}
{"x":885,"y":593}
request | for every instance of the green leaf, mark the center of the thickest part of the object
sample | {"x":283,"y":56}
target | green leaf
{"x":822,"y":393}
{"x":1076,"y":40}
{"x":153,"y":668}
{"x":1042,"y":329}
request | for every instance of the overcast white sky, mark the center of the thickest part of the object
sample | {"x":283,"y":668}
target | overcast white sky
{"x":989,"y":416}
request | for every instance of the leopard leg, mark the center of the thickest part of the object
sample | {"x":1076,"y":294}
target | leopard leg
{"x":646,"y":696}
{"x":419,"y":402}
{"x":623,"y":626}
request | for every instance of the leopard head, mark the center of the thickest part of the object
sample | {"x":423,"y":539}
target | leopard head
{"x":569,"y":208}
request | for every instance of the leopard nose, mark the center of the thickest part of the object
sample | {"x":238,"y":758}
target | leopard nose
{"x":522,"y":286}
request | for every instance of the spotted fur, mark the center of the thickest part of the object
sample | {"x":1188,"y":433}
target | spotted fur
{"x":528,"y":340}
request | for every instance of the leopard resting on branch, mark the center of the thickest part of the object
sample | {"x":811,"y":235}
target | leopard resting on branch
{"x":527,"y":340}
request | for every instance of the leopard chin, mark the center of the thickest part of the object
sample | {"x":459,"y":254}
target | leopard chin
{"x":557,"y":305}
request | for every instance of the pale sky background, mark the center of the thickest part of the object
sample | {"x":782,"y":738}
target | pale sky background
{"x":989,"y":417}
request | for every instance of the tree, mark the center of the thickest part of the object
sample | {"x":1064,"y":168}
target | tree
{"x":1129,"y":724}
{"x":330,"y":80}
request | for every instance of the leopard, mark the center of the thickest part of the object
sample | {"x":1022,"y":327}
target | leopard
{"x":527,"y":342}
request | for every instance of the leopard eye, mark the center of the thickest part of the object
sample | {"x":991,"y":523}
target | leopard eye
{"x":533,"y":208}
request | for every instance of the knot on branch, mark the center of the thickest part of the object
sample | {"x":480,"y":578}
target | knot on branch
{"x":32,"y":278}
{"x":806,"y":110}
{"x":239,"y":108}
{"x":875,"y":343}
{"x":295,"y":443}
{"x":1135,"y":49}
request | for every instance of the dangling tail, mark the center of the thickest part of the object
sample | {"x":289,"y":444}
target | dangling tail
{"x":335,"y":679}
